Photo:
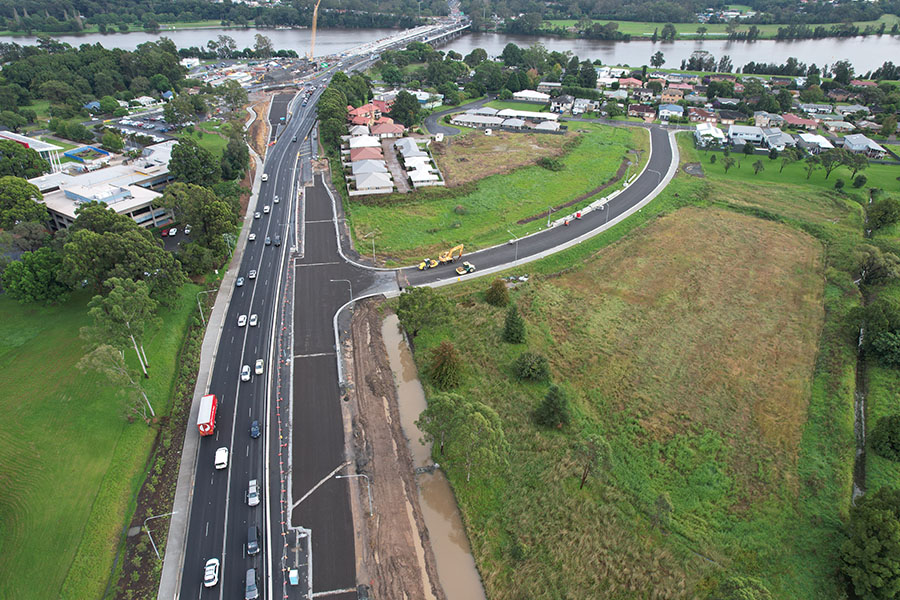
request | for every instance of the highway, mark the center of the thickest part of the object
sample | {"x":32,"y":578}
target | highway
{"x":296,"y":295}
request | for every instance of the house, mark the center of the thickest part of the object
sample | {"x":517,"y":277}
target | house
{"x":372,"y":183}
{"x":813,"y":143}
{"x":851,"y":109}
{"x":730,"y":117}
{"x":368,"y":166}
{"x":727,"y":102}
{"x":861,"y":83}
{"x":408,"y":148}
{"x":528,"y":115}
{"x":531,"y":96}
{"x":92,"y":106}
{"x":642,"y":94}
{"x":364,"y":141}
{"x":641,"y":111}
{"x":423,"y":177}
{"x":741,"y":134}
{"x":868,"y":125}
{"x":168,"y":96}
{"x":838,"y":95}
{"x":792,"y":120}
{"x":838,"y":126}
{"x":860,"y":144}
{"x":583,"y":105}
{"x":695,"y":99}
{"x":145,"y":100}
{"x":366,"y":154}
{"x":671,"y":96}
{"x":812,"y":109}
{"x":388,"y":130}
{"x":776,"y":139}
{"x":616,"y":94}
{"x":667,"y":111}
{"x":562,"y":104}
{"x":707,"y":134}
{"x":781,"y":81}
{"x":425,"y":99}
{"x":685,"y":87}
{"x":547,"y":126}
{"x":629,"y":83}
{"x":548,"y":86}
{"x":722,"y":77}
{"x":484,"y":110}
{"x":701,"y":115}
{"x":762,"y":118}
{"x":359,"y":130}
{"x":477,"y":121}
{"x":514,"y":123}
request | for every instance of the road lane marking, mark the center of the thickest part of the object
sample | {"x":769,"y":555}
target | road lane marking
{"x":314,"y":355}
{"x":324,"y":264}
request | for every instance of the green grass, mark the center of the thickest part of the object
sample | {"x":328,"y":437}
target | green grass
{"x":413,"y":225}
{"x":71,"y":464}
{"x":211,"y":23}
{"x":714,"y":31}
{"x":213,"y":142}
{"x":512,"y":104}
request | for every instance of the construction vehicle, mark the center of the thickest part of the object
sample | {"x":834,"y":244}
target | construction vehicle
{"x":465,"y":268}
{"x":427,"y":263}
{"x":451,"y":254}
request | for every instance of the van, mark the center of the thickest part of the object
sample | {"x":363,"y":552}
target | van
{"x":222,"y":458}
{"x":252,"y":540}
{"x":251,"y":592}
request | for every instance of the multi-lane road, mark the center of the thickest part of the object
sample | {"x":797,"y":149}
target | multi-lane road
{"x":299,"y":288}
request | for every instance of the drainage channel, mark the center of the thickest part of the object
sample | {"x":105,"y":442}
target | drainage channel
{"x":458,"y":575}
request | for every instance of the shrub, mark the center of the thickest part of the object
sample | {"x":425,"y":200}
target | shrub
{"x":743,"y":588}
{"x":460,"y":209}
{"x":514,"y":327}
{"x":531,"y":366}
{"x":860,"y":181}
{"x":712,"y":159}
{"x":446,"y":366}
{"x":839,"y":184}
{"x":497,"y":294}
{"x":553,"y":411}
{"x":883,"y":212}
{"x":885,"y":437}
{"x":551,"y":164}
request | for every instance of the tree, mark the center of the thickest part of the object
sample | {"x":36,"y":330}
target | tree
{"x":478,"y":438}
{"x":497,"y":294}
{"x":889,"y":126}
{"x":668,"y":33}
{"x":446,"y":366}
{"x":112,"y":141}
{"x":123,"y":314}
{"x":420,"y":307}
{"x":34,"y":278}
{"x":592,"y":452}
{"x":748,"y":149}
{"x":859,"y":181}
{"x":438,"y":419}
{"x":110,"y":362}
{"x":236,"y":157}
{"x":29,"y":236}
{"x":108,"y":105}
{"x":233,"y":95}
{"x":876,"y":266}
{"x":160,"y":83}
{"x":657,"y":60}
{"x":20,"y":201}
{"x":773,"y":153}
{"x":832,"y":159}
{"x":532,"y":366}
{"x":391,"y":74}
{"x":514,"y":326}
{"x":554,"y":411}
{"x":18,"y":161}
{"x":842,"y":71}
{"x":758,"y":166}
{"x":475,"y":57}
{"x":743,"y":588}
{"x":839,"y":184}
{"x":263,"y":47}
{"x":701,"y":32}
{"x":812,"y":163}
{"x":587,"y":75}
{"x":191,"y":163}
{"x":13,"y":121}
{"x":855,"y":162}
{"x":178,"y":110}
{"x":871,"y":555}
{"x":406,"y":109}
{"x":727,"y":163}
{"x":712,"y":159}
{"x":885,"y":437}
{"x":210,"y":216}
{"x":789,"y":156}
{"x":886,"y":345}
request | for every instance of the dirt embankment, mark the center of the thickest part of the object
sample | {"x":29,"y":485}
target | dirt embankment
{"x":395,"y":556}
{"x":258,"y":134}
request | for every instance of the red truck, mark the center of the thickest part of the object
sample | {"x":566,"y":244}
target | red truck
{"x":206,"y":420}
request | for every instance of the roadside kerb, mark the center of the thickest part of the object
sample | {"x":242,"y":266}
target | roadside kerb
{"x":173,"y":560}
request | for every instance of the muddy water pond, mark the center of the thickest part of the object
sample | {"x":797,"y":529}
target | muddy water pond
{"x":456,"y":568}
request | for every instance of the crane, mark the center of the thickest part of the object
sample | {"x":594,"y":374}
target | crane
{"x":312,"y":48}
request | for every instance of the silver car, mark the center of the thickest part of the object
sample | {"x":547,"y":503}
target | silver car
{"x":253,"y":493}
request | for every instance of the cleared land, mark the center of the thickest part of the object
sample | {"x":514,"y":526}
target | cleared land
{"x":69,"y":462}
{"x":478,"y":214}
{"x":475,"y":156}
{"x":645,"y":336}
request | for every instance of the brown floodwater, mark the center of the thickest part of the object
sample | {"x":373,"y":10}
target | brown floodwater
{"x":456,"y":568}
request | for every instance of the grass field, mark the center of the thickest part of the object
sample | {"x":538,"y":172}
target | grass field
{"x":70,"y":463}
{"x":413,"y":225}
{"x":512,"y":104}
{"x":714,"y":31}
{"x":208,"y":139}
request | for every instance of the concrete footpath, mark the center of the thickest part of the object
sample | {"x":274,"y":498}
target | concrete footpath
{"x":173,"y":559}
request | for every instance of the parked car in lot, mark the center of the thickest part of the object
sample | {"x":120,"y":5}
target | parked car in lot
{"x":242,"y":320}
{"x":165,"y":233}
{"x":245,"y":373}
{"x":173,"y":231}
{"x":211,"y":573}
{"x":187,"y":230}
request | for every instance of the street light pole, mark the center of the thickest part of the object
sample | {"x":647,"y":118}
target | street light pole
{"x":549,"y":210}
{"x":368,"y":486}
{"x":201,"y":307}
{"x":517,"y":244}
{"x":372,"y":233}
{"x":152,"y":543}
{"x":347,"y":281}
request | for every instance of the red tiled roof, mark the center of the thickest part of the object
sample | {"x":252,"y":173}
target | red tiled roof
{"x":792,"y":119}
{"x":365,"y":154}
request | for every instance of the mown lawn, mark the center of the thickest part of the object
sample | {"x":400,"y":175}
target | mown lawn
{"x":70,"y":463}
{"x":413,"y":225}
{"x":211,"y":141}
{"x":512,"y":104}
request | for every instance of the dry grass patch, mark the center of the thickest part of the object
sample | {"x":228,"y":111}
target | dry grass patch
{"x":476,"y":156}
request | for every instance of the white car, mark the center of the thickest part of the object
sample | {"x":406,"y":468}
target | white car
{"x":260,"y":366}
{"x":173,"y":231}
{"x":242,"y":320}
{"x":256,"y":215}
{"x":187,"y":230}
{"x":276,"y":200}
{"x":245,"y":371}
{"x":222,"y":458}
{"x":251,"y":237}
{"x":254,"y":319}
{"x":253,"y":493}
{"x":252,"y":274}
{"x":266,"y":209}
{"x":211,"y":573}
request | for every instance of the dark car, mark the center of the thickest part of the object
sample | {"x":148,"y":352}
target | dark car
{"x":277,"y":240}
{"x":254,"y":429}
{"x":252,"y":540}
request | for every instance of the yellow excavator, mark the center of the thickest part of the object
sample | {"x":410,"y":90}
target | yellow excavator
{"x":451,"y":254}
{"x":427,"y":263}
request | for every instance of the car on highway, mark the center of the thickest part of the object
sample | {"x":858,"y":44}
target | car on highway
{"x":252,"y":540}
{"x":173,"y":231}
{"x":252,"y":493}
{"x":254,"y":429}
{"x":277,"y":240}
{"x":245,"y":372}
{"x":251,"y":592}
{"x":239,"y":282}
{"x":242,"y":320}
{"x":260,"y":366}
{"x":294,"y":139}
{"x":254,"y":319}
{"x":276,"y":200}
{"x":266,"y":209}
{"x":256,"y":215}
{"x":268,"y":241}
{"x":252,"y":274}
{"x":251,"y":237}
{"x":211,"y":573}
{"x":221,"y":458}
{"x":265,"y":177}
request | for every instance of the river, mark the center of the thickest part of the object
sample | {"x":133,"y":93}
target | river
{"x":865,"y":53}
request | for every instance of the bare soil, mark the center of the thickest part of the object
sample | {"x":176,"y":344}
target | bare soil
{"x":396,"y":554}
{"x":258,"y":134}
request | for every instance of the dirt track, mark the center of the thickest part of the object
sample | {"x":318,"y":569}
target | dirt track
{"x":395,"y":556}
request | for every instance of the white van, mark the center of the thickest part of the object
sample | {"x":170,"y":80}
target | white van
{"x":222,"y":458}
